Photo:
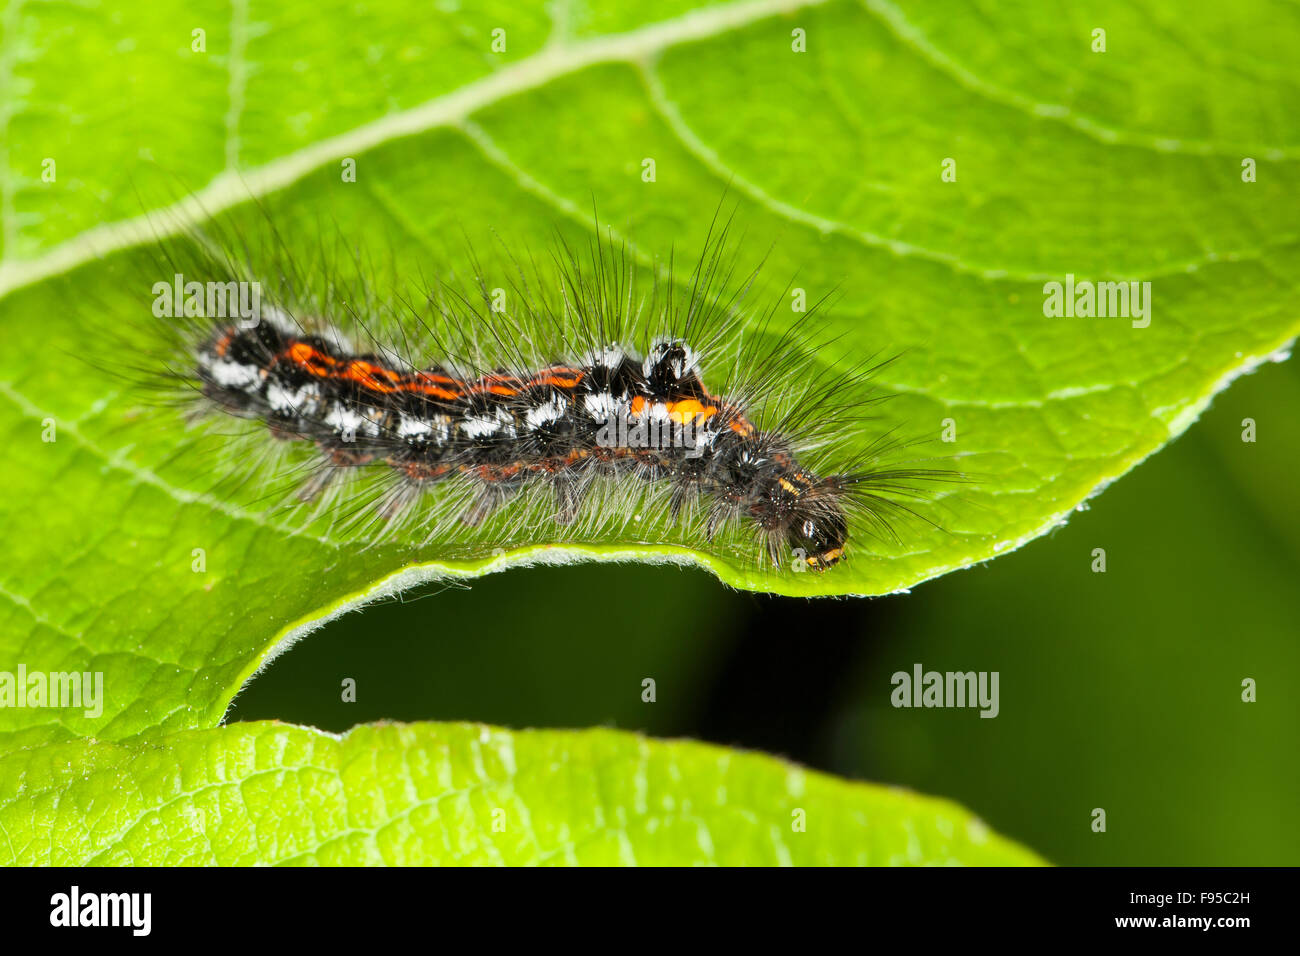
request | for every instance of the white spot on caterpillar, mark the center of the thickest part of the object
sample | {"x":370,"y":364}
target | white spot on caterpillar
{"x":603,"y":406}
{"x":346,"y":421}
{"x":687,"y":364}
{"x":409,"y":427}
{"x":282,"y":399}
{"x":704,"y":438}
{"x":610,"y":357}
{"x":278,"y":319}
{"x":482,"y":426}
{"x":546,"y":413}
{"x":479,"y":427}
{"x":229,"y":374}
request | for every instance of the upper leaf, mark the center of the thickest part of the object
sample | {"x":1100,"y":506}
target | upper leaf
{"x":1068,"y":162}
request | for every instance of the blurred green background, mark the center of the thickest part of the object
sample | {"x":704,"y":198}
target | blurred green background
{"x":1119,"y":690}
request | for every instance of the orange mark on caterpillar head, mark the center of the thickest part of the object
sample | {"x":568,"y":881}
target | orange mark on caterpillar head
{"x":820,"y":562}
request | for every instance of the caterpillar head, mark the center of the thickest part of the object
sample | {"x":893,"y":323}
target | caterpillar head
{"x":820,"y":537}
{"x":801,"y":511}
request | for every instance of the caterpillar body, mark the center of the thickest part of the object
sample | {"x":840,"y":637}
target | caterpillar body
{"x":599,"y":405}
{"x":504,"y":429}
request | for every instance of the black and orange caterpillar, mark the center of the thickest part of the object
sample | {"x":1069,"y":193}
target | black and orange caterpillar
{"x":609,"y":412}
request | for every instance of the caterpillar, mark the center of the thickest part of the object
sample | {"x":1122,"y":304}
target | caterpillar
{"x":557,"y":397}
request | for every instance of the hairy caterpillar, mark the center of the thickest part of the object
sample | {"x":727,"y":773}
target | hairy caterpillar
{"x":460,"y":406}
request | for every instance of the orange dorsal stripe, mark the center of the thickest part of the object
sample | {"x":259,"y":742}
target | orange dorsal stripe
{"x":378,"y":378}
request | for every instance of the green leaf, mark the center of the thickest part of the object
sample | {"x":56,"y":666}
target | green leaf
{"x":1123,"y":165}
{"x":459,"y":794}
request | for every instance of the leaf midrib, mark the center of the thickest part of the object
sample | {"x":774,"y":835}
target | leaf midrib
{"x":231,"y":187}
{"x":639,"y":48}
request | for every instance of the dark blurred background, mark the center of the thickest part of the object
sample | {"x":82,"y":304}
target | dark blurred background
{"x":1119,"y":690}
